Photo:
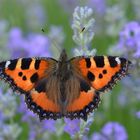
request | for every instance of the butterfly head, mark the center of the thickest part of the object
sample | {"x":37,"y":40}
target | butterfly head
{"x":63,"y":56}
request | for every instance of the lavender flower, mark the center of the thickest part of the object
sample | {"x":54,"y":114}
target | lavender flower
{"x":111,"y":131}
{"x":115,"y":130}
{"x":9,"y":131}
{"x":72,"y":126}
{"x":83,"y":30}
{"x":7,"y":112}
{"x":138,"y":114}
{"x":32,"y":45}
{"x":99,"y":6}
{"x":129,"y":39}
{"x":85,"y":126}
{"x":7,"y":105}
{"x":98,"y":136}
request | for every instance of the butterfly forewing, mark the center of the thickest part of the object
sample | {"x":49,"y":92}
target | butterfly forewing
{"x":101,"y":72}
{"x":22,"y":74}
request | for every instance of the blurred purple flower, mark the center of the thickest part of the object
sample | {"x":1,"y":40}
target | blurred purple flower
{"x":7,"y":105}
{"x":111,"y":131}
{"x":7,"y":112}
{"x":97,"y":136}
{"x":138,"y":114}
{"x":32,"y":45}
{"x":69,"y":5}
{"x":115,"y":130}
{"x":130,"y":39}
{"x":123,"y":99}
{"x":99,"y":6}
{"x":72,"y":126}
{"x":49,"y":125}
{"x":32,"y":135}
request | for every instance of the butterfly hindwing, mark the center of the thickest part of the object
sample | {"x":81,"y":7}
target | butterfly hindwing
{"x":22,"y":74}
{"x":40,"y":104}
{"x":87,"y":101}
{"x":102,"y":72}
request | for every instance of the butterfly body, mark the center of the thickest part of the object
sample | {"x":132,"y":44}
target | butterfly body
{"x":65,"y":87}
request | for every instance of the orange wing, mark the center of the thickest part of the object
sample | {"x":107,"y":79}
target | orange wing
{"x":22,"y":74}
{"x":83,"y":105}
{"x":40,"y":104}
{"x":101,"y":72}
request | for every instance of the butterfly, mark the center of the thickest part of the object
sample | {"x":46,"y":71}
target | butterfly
{"x":66,"y":87}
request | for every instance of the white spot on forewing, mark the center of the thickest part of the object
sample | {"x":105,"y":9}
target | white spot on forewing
{"x":118,"y":60}
{"x":7,"y":64}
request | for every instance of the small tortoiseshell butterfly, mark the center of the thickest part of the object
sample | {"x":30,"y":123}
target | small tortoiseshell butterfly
{"x":63,"y":88}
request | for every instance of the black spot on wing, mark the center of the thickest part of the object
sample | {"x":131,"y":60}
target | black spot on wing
{"x":104,"y":71}
{"x":113,"y":63}
{"x":20,"y":74}
{"x":24,"y":78}
{"x":84,"y":86}
{"x":34,"y":77}
{"x":88,"y":62}
{"x":41,"y":86}
{"x":37,"y":63}
{"x":12,"y":64}
{"x":25,"y":63}
{"x":90,"y":76}
{"x":99,"y":61}
{"x":100,"y":76}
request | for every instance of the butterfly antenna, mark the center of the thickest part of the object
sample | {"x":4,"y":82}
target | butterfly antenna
{"x":54,"y":44}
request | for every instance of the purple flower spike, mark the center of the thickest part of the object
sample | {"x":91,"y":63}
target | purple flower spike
{"x":49,"y":125}
{"x":115,"y":131}
{"x":32,"y":135}
{"x":72,"y":126}
{"x":98,"y":5}
{"x":27,"y":46}
{"x":98,"y":136}
{"x":111,"y":131}
{"x":129,"y":41}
